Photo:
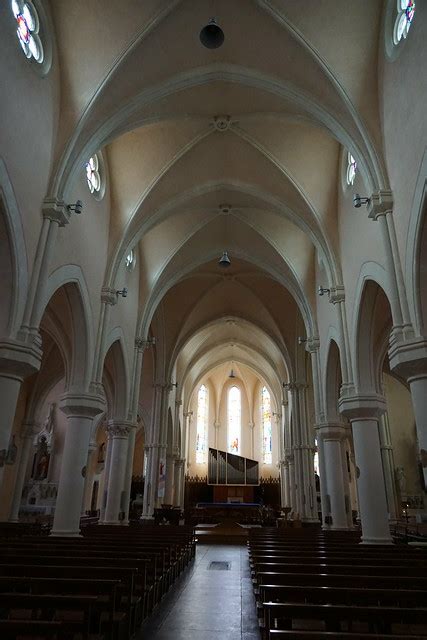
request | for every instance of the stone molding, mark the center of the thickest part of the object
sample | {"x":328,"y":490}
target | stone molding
{"x":367,"y":406}
{"x":409,"y":359}
{"x":332,"y":431}
{"x":119,"y":428}
{"x":109,"y":296}
{"x":313,"y":344}
{"x":56,"y":211}
{"x":29,"y":429}
{"x":337,"y":294}
{"x":19,"y":359}
{"x":380,"y":204}
{"x":82,"y":405}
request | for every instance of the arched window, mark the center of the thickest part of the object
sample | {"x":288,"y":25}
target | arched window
{"x":351,"y":169}
{"x":202,"y":422}
{"x":316,"y":458}
{"x":28,"y":24}
{"x":267,"y":456}
{"x":404,"y":18}
{"x":234,"y":419}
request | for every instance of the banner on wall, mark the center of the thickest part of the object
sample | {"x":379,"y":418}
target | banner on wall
{"x":162,"y":478}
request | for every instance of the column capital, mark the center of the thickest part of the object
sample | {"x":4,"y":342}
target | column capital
{"x":119,"y":428}
{"x":109,"y":296}
{"x":313,"y":344}
{"x":82,"y":405}
{"x":380,"y":203}
{"x":409,"y":358}
{"x":56,"y":210}
{"x":251,"y":425}
{"x":366,"y":406}
{"x":337,"y":294}
{"x":19,"y":359}
{"x":144,"y":343}
{"x":93,"y":446}
{"x":179,"y":462}
{"x":332,"y":431}
{"x":188,"y":414}
{"x":178,"y":403}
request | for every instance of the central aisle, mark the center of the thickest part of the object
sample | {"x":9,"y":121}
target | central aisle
{"x":208,"y":603}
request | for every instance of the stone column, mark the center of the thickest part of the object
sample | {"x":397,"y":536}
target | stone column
{"x":179,"y":482}
{"x":17,"y":361}
{"x":119,"y":432}
{"x":324,"y":497}
{"x":332,"y":437}
{"x":28,"y":432}
{"x":170,"y":476}
{"x":409,"y":360}
{"x":217,"y":427}
{"x":106,"y":477}
{"x":87,"y":491}
{"x":80,"y":410}
{"x":129,"y":472}
{"x":363,"y":412}
{"x":284,"y":482}
{"x":156,"y":451}
{"x":303,"y":455}
{"x":388,"y":466}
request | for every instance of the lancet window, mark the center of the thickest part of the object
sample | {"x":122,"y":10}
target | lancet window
{"x":267,"y":455}
{"x":202,"y":423}
{"x":234,"y":407}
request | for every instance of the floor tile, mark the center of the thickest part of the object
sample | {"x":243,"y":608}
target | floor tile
{"x":208,"y":604}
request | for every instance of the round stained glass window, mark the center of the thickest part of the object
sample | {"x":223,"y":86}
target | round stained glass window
{"x":28,"y":25}
{"x":351,"y":169}
{"x":92,"y":174}
{"x":404,"y":19}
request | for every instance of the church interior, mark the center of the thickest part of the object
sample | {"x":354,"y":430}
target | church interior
{"x":213,"y":320}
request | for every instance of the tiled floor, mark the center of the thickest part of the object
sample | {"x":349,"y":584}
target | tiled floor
{"x":208,"y":604}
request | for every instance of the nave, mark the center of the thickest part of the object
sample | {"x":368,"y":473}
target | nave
{"x":209,"y":602}
{"x":157,"y":583}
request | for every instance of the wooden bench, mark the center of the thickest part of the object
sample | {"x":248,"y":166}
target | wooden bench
{"x":379,"y":619}
{"x":286,"y":634}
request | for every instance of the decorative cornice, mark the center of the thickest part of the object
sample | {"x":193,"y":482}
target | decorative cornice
{"x":82,"y":405}
{"x":337,"y":294}
{"x":380,"y":203}
{"x":56,"y":211}
{"x":109,"y":296}
{"x":313,"y":344}
{"x":144,"y":343}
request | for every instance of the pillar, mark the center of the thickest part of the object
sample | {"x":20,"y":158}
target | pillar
{"x":119,"y":433}
{"x":170,"y":476}
{"x":156,"y":453}
{"x":409,"y":360}
{"x":179,"y":482}
{"x":80,"y":410}
{"x":87,"y":491}
{"x":332,"y":437}
{"x":388,"y":466}
{"x":363,"y":412}
{"x":17,"y":361}
{"x":129,"y":472}
{"x":28,"y":432}
{"x":106,"y":478}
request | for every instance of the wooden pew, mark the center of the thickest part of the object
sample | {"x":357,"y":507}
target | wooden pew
{"x":287,"y":634}
{"x":379,"y":619}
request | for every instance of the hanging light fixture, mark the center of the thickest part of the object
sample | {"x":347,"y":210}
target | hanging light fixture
{"x":224,"y":260}
{"x":231,"y":374}
{"x":212,"y":36}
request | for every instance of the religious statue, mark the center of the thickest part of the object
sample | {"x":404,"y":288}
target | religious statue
{"x":44,"y":444}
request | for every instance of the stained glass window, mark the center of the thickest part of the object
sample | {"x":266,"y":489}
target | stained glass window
{"x":130,"y":260}
{"x":92,"y":174}
{"x":234,"y":419}
{"x":202,"y":422}
{"x":404,"y":18}
{"x":316,"y":458}
{"x":266,"y":426}
{"x":28,"y":24}
{"x":351,"y":169}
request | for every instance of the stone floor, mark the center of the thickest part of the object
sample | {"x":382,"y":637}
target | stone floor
{"x":208,"y":604}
